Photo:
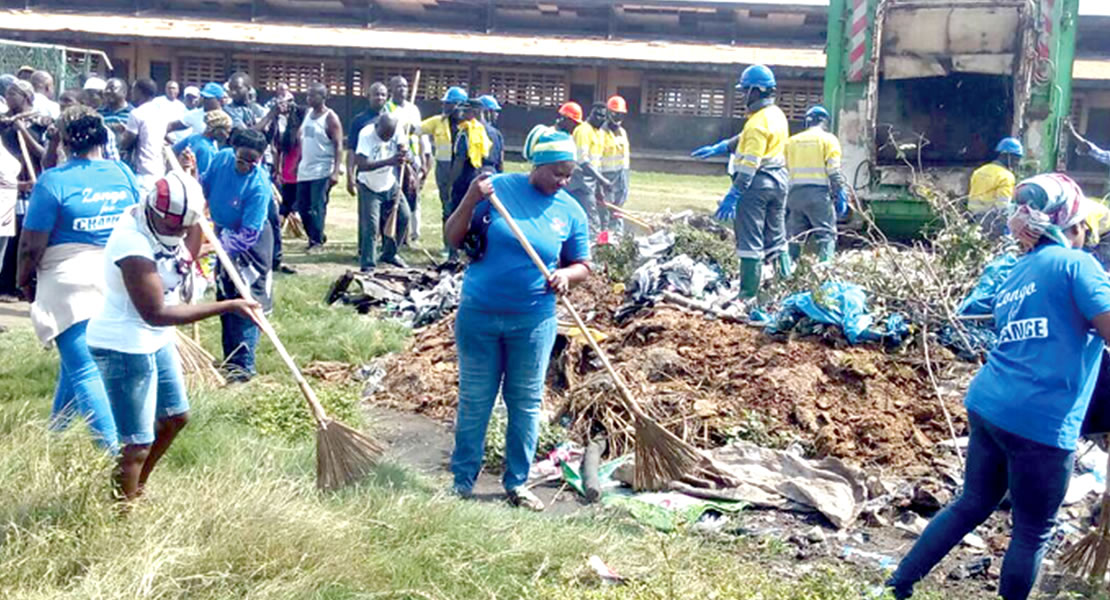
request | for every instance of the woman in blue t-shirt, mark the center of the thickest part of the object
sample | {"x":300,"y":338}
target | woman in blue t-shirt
{"x":72,"y":212}
{"x":239,"y":196}
{"x":1026,"y":405}
{"x":505,"y":328}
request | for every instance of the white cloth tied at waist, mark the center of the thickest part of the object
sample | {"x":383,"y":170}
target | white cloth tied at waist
{"x":70,"y":288}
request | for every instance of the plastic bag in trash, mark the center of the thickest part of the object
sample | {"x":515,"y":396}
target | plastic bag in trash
{"x":980,"y":301}
{"x":834,"y":303}
{"x":655,"y":245}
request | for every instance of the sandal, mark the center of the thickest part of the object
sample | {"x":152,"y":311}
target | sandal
{"x":524,"y":498}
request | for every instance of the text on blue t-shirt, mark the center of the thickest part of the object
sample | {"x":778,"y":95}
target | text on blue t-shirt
{"x":80,"y":201}
{"x":505,"y":280}
{"x":1038,"y":380}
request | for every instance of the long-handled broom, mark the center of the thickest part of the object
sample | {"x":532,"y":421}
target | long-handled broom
{"x":1091,"y":556}
{"x":661,"y":456}
{"x":343,"y":454}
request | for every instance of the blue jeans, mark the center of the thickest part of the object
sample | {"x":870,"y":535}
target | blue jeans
{"x":1037,"y":479}
{"x":507,"y":353}
{"x":142,"y":388}
{"x":80,"y":391}
{"x":240,"y":341}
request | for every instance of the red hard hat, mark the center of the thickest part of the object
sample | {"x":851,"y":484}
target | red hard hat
{"x":617,"y":104}
{"x":572,"y":111}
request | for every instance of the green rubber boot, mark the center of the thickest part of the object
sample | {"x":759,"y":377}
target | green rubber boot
{"x":750,"y":272}
{"x":826,"y":249}
{"x":795,"y":251}
{"x":784,"y":267}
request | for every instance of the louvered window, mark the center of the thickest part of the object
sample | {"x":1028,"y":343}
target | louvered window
{"x":300,"y":74}
{"x":200,"y":69}
{"x":689,"y":97}
{"x":527,"y":87}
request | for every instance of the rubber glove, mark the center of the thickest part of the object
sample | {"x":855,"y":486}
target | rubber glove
{"x":842,"y":203}
{"x":717,"y":149}
{"x":726,"y":210}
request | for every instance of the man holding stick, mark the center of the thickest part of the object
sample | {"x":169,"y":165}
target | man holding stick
{"x":381,"y":150}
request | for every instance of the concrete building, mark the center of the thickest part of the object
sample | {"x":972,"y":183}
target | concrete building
{"x":674,"y":60}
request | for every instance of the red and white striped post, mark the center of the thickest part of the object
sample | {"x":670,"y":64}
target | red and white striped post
{"x":857,"y":41}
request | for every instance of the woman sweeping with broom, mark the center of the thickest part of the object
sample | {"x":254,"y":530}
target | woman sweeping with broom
{"x":505,"y":328}
{"x":1026,"y":405}
{"x":146,"y":263}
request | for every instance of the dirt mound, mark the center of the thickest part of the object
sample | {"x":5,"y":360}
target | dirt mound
{"x":710,"y":381}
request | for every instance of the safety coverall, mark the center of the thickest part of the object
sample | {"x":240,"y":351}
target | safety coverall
{"x":813,"y":161}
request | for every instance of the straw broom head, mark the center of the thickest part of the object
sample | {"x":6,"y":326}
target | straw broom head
{"x":1090,"y":557}
{"x":662,"y":458}
{"x":343,"y":455}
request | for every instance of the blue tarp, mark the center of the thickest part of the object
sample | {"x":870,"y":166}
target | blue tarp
{"x":834,"y":303}
{"x":980,"y":301}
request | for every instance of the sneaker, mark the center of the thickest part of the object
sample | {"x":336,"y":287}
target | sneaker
{"x":396,"y":261}
{"x":462,"y":494}
{"x":524,"y":498}
{"x":286,"y":269}
{"x":233,"y":375}
{"x":316,"y":249}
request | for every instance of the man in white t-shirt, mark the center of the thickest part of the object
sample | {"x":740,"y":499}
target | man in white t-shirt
{"x":420,"y":147}
{"x":44,"y":103}
{"x":381,"y":150}
{"x":171,"y":106}
{"x":146,"y":133}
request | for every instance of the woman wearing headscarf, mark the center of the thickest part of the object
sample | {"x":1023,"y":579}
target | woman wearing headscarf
{"x":146,"y":266}
{"x":72,"y":212}
{"x":1026,"y":405}
{"x":505,"y":328}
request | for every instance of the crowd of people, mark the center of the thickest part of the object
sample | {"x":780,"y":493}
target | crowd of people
{"x":100,"y":230}
{"x":102,"y":190}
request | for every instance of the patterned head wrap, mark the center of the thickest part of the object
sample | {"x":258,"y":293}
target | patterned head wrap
{"x":1045,"y":206}
{"x":217,"y":119}
{"x":552,"y":146}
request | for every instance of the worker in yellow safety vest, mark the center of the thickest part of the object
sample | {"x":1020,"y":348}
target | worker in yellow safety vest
{"x":442,"y":129}
{"x":587,"y":183}
{"x":1098,"y":230}
{"x":992,"y":188}
{"x":757,"y":198}
{"x":615,"y":162}
{"x":817,"y":186}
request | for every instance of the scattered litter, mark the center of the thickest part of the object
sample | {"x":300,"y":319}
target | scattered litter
{"x":608,"y":576}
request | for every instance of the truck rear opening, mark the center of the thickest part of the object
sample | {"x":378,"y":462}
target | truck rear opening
{"x":951,"y":121}
{"x":946,"y":83}
{"x":921,"y":92}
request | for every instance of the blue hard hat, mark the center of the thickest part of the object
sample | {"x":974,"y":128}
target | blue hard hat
{"x":455,"y":95}
{"x":757,"y":76}
{"x":817,"y":112}
{"x":212,"y":90}
{"x":1010,"y":146}
{"x":489,"y":102}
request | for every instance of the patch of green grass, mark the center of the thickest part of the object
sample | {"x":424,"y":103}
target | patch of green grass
{"x":312,"y":330}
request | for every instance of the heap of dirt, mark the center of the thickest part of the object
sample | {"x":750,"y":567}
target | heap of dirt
{"x":709,"y":381}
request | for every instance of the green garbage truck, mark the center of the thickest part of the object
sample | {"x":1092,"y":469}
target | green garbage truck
{"x":921,"y":91}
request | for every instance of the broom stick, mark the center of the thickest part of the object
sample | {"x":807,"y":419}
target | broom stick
{"x":659,"y":460}
{"x":1090,"y":557}
{"x":343,"y":454}
{"x":264,"y":324}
